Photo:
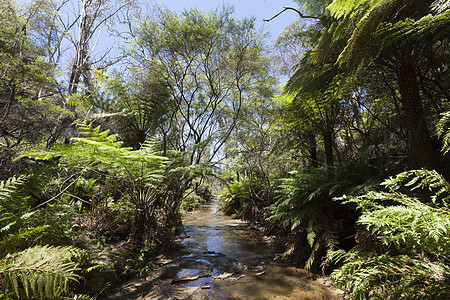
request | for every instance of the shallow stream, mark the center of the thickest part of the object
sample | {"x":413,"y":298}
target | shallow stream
{"x":222,"y":258}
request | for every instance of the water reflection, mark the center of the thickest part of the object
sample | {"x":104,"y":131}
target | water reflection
{"x":230,"y":261}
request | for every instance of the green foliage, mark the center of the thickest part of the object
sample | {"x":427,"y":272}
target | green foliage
{"x":387,"y":29}
{"x":423,"y":180}
{"x":314,"y":7}
{"x":135,"y":107}
{"x":212,"y":64}
{"x":390,"y":277}
{"x":406,"y":256}
{"x":40,"y":271}
{"x":8,"y":191}
{"x":366,"y":44}
{"x":28,"y":94}
{"x":191,"y":199}
{"x":101,"y":151}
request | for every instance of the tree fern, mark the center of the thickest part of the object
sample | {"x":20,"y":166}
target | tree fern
{"x":441,"y":5}
{"x":141,"y":172}
{"x":384,"y":276}
{"x":305,"y":203}
{"x":100,"y":150}
{"x":40,"y":271}
{"x":14,"y":209}
{"x":380,"y":24}
{"x":423,"y":179}
{"x":428,"y":28}
{"x":235,"y":199}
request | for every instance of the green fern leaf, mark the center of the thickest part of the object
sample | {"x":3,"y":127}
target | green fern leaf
{"x":43,"y":271}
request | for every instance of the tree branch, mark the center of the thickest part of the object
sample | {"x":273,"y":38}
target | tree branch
{"x":291,"y":8}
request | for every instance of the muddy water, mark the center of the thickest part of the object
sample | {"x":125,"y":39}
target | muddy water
{"x":221,"y":258}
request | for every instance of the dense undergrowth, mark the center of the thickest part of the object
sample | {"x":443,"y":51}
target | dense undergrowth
{"x":107,"y":210}
{"x":402,"y":240}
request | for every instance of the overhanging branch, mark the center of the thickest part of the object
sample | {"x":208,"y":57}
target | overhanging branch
{"x":296,"y":10}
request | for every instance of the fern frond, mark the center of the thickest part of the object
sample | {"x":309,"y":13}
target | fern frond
{"x":9,"y":187}
{"x":368,"y":15}
{"x":408,"y":31}
{"x":383,"y":276}
{"x":423,"y":179}
{"x":9,"y":242}
{"x":441,"y":5}
{"x":414,"y":237}
{"x":413,"y":227}
{"x":443,"y":131}
{"x":380,"y":26}
{"x":100,"y":150}
{"x":42,"y":271}
{"x":343,"y":8}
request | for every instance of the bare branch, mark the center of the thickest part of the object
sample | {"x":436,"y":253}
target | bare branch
{"x":296,"y":10}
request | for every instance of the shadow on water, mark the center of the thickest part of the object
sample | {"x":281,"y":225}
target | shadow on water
{"x":221,"y":258}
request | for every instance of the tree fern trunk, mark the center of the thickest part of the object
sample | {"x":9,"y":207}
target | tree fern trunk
{"x":420,"y":152}
{"x":328,"y":144}
{"x":312,"y":149}
{"x":357,"y":111}
{"x":140,"y":219}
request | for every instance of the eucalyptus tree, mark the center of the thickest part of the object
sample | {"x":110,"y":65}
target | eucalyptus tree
{"x":91,"y":16}
{"x":291,"y":45}
{"x":255,"y":150}
{"x":210,"y":63}
{"x":72,"y":35}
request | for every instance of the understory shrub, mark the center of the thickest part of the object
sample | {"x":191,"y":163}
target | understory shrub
{"x":97,"y":160}
{"x":247,"y":198}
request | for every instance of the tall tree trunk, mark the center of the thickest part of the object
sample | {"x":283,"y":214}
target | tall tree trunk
{"x":78,"y":67}
{"x":420,"y":151}
{"x":328,"y":144}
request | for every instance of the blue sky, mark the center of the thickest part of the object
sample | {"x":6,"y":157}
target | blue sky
{"x":261,"y":9}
